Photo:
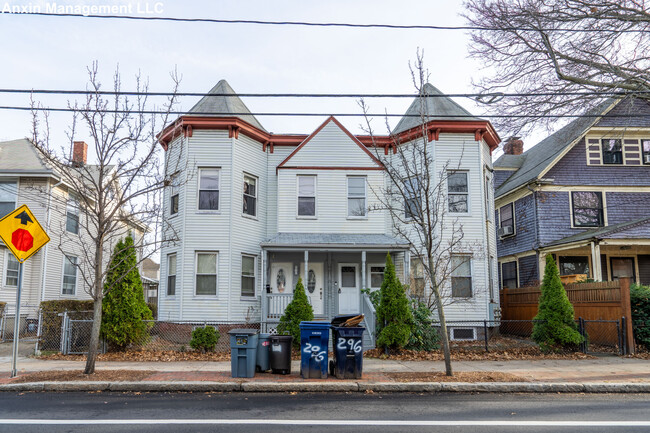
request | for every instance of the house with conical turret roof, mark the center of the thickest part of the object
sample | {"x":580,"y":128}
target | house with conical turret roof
{"x":256,"y":211}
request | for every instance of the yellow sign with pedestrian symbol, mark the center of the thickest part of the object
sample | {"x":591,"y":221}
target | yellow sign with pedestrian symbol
{"x":22,"y":233}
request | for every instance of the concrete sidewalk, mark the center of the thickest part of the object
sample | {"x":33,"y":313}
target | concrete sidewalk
{"x":546,"y":375}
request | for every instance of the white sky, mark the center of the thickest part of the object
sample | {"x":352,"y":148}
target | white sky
{"x":53,"y":53}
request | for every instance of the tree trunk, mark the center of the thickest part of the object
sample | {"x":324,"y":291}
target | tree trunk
{"x":443,"y":332}
{"x":93,"y":347}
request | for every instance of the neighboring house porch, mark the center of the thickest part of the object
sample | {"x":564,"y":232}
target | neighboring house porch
{"x":334,"y":268}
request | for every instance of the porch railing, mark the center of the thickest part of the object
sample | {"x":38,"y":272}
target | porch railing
{"x":276,"y":303}
{"x":368,"y":311}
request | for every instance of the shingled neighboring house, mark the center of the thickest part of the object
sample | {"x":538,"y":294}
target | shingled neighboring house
{"x":582,"y":194}
{"x":257,"y":210}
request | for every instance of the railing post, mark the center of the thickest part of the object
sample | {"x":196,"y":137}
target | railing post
{"x":627,"y":312}
{"x":485,"y":335}
{"x":624,"y":335}
{"x":618,"y":335}
{"x":64,"y":329}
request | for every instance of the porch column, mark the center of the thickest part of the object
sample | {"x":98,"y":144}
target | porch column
{"x":595,"y":262}
{"x":265,"y":279}
{"x":407,"y":266}
{"x":305,"y":277}
{"x":363,"y":269}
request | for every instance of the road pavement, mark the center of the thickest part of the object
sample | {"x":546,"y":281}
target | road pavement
{"x":331,"y":413}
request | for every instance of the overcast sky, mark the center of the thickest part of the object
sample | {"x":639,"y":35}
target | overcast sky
{"x":53,"y":53}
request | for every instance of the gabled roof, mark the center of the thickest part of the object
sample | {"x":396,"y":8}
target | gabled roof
{"x":226,"y":106}
{"x":21,"y":157}
{"x":506,"y":161}
{"x":538,"y":158}
{"x":427,"y":108}
{"x":608,"y":232}
{"x":377,"y":163}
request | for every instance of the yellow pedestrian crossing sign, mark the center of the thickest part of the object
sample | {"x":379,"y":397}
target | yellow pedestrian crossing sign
{"x":22,"y":233}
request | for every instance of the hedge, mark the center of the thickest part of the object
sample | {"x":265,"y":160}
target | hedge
{"x":640,"y":299}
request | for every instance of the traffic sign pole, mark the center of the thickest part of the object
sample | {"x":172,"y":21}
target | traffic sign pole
{"x":14,"y":353}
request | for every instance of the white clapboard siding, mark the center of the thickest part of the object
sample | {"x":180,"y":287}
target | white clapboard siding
{"x":331,"y":203}
{"x":273,"y":160}
{"x":331,"y":147}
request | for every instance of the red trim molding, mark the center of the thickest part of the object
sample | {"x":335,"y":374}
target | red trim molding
{"x":315,"y":167}
{"x":185,"y":125}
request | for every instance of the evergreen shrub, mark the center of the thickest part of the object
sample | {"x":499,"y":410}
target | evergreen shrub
{"x":298,"y":310}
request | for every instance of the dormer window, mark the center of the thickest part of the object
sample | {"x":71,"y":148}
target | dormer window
{"x":612,"y":151}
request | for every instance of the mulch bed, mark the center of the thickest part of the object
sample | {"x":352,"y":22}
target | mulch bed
{"x":100,"y":375}
{"x":462,"y":354}
{"x":460,"y":376}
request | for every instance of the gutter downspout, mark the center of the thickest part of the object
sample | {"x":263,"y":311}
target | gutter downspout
{"x":47,"y":229}
{"x":537,"y":242}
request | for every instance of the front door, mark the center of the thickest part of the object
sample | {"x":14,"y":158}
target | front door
{"x":314,"y":286}
{"x":281,"y":278}
{"x":349,"y":293}
{"x":623,"y":267}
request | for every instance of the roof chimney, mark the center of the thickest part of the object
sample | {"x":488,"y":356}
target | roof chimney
{"x":79,"y":153}
{"x":513,"y":146}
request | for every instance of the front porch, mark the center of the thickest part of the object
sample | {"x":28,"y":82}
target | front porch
{"x":605,"y":254}
{"x":334,"y":268}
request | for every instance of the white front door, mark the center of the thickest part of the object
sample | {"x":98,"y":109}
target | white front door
{"x":281,"y":278}
{"x":349,"y":288}
{"x":314,"y":286}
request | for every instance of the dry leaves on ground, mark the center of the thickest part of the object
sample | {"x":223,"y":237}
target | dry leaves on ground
{"x":518,"y":353}
{"x":146,"y":356}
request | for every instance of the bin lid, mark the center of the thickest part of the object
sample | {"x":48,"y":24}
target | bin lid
{"x":316,"y":324}
{"x":337,"y":320}
{"x":243,"y":331}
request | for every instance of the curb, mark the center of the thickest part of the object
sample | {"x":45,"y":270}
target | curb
{"x":422,"y":387}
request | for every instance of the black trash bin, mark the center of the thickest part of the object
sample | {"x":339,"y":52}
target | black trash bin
{"x":348,"y":352}
{"x":280,"y":354}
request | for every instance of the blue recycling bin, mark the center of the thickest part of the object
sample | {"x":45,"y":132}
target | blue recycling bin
{"x":243,"y":352}
{"x":314,"y":342}
{"x":348,"y":352}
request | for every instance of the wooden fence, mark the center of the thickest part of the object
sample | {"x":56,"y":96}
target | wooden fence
{"x":609,"y":300}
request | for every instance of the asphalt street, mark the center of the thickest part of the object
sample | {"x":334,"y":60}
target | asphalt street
{"x":327,"y":412}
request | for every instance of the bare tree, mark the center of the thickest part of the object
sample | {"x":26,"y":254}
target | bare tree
{"x":121,"y":191}
{"x":416,"y":197}
{"x":559,"y":55}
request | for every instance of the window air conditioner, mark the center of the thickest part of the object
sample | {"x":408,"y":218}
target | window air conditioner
{"x":506,"y":231}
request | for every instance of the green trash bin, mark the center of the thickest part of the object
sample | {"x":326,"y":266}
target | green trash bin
{"x":243,"y":352}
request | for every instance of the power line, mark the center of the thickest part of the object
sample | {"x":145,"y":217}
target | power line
{"x":323,"y":95}
{"x":293,"y":114}
{"x":326,"y":24}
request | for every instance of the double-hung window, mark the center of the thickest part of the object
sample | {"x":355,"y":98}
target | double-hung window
{"x":72,"y":214}
{"x":376,"y":276}
{"x":8,"y":195}
{"x":174,"y":196}
{"x":306,"y":196}
{"x":507,"y":219}
{"x":417,"y":277}
{"x":357,"y":196}
{"x":412,"y":198}
{"x":509,"y":275}
{"x":206,"y":274}
{"x":208,"y":189}
{"x":458,"y":191}
{"x":250,"y":195}
{"x":461,"y":276}
{"x":612,"y":151}
{"x":171,"y":274}
{"x":645,"y":148}
{"x":247,"y":275}
{"x":69,"y":275}
{"x":11,"y":275}
{"x":587,"y":209}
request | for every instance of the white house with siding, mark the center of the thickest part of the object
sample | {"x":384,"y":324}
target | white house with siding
{"x":53,"y":272}
{"x":256,"y":210}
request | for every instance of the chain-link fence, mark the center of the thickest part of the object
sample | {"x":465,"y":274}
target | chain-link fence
{"x":600,"y":336}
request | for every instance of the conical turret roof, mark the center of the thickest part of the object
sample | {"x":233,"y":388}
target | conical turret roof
{"x":432,"y":105}
{"x":226,"y":106}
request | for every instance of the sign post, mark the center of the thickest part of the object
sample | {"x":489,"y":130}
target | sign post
{"x":24,"y":236}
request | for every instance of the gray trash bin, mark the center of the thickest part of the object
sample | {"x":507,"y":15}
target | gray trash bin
{"x":263,"y":352}
{"x":243,"y":352}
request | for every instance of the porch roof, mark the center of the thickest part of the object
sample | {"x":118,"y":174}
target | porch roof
{"x":635,"y":229}
{"x":335,"y":240}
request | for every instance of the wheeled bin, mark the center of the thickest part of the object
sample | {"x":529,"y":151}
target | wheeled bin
{"x":243,"y":352}
{"x":314,"y":341}
{"x":262,"y":357}
{"x":348,"y":352}
{"x":280,"y":354}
